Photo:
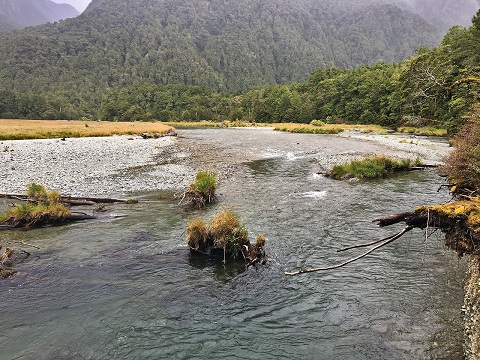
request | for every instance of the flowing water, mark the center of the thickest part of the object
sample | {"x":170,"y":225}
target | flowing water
{"x":128,"y":288}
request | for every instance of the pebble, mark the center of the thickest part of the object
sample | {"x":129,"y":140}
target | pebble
{"x":102,"y":166}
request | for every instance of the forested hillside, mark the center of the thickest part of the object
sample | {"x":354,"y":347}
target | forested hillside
{"x":437,"y":87}
{"x":17,"y":14}
{"x":222,"y":45}
{"x":222,"y":60}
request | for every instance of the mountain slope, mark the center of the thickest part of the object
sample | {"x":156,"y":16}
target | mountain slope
{"x":221,"y":44}
{"x":15,"y":14}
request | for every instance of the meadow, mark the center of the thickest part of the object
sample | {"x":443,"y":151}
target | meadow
{"x":12,"y":129}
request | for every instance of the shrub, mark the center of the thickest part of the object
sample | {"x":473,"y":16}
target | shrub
{"x":463,"y":164}
{"x":317,"y":123}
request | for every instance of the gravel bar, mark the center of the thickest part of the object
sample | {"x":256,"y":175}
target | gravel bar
{"x":97,"y":166}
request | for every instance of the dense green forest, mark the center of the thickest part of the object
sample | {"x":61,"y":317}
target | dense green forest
{"x":71,"y":79}
{"x":221,"y":45}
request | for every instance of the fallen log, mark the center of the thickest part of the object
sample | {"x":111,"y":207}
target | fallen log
{"x":72,"y":200}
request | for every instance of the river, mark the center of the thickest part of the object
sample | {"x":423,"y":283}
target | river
{"x":126,"y":287}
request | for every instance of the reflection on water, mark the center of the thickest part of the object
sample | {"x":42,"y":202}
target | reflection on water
{"x":128,"y":288}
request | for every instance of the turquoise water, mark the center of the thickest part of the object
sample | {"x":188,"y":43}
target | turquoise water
{"x":128,"y":288}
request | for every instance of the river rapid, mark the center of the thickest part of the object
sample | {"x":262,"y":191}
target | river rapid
{"x":127,"y":287}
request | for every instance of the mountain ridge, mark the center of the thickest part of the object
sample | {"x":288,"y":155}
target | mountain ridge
{"x":17,"y":14}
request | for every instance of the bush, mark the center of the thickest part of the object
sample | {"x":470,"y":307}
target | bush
{"x":317,"y":123}
{"x":463,"y":164}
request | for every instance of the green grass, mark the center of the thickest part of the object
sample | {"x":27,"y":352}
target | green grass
{"x":202,"y":190}
{"x":423,"y":131}
{"x":371,"y":168}
{"x":205,"y":183}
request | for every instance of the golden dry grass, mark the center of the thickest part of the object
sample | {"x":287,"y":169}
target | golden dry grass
{"x":46,"y":129}
{"x":291,"y":127}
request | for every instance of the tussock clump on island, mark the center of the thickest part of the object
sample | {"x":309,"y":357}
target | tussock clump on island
{"x":202,"y":191}
{"x":225,"y":234}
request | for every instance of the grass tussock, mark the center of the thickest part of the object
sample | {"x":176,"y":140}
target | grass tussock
{"x":317,"y":128}
{"x":224,"y":232}
{"x":197,"y":235}
{"x":48,"y":129}
{"x":423,"y":131}
{"x":202,"y":190}
{"x":370,"y":168}
{"x":43,"y":208}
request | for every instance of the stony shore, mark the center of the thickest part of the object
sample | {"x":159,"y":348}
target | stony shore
{"x":120,"y":165}
{"x":102,"y":166}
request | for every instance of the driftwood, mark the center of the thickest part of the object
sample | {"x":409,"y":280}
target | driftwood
{"x":72,"y":200}
{"x":382,"y":242}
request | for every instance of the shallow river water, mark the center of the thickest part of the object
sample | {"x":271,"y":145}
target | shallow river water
{"x":128,"y":288}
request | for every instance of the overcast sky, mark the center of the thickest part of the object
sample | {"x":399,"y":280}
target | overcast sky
{"x":80,"y":5}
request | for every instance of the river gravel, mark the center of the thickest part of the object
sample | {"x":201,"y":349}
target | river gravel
{"x":115,"y":165}
{"x":121,"y":165}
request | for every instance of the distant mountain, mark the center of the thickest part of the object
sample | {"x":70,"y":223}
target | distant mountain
{"x":17,"y":14}
{"x":446,"y":13}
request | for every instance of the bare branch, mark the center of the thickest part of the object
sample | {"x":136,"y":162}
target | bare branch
{"x":365,"y":245}
{"x":386,"y":241}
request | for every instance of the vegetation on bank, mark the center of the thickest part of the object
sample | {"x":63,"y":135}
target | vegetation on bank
{"x":423,"y":131}
{"x":371,"y":168}
{"x":225,"y":234}
{"x":327,"y":128}
{"x":46,"y":129}
{"x":43,"y":208}
{"x":463,"y":164}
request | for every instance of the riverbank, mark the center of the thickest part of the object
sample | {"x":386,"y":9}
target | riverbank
{"x":95,"y":166}
{"x":119,"y":165}
{"x":471,"y":309}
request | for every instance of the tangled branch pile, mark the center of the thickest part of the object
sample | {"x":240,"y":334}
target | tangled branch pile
{"x":226,"y":234}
